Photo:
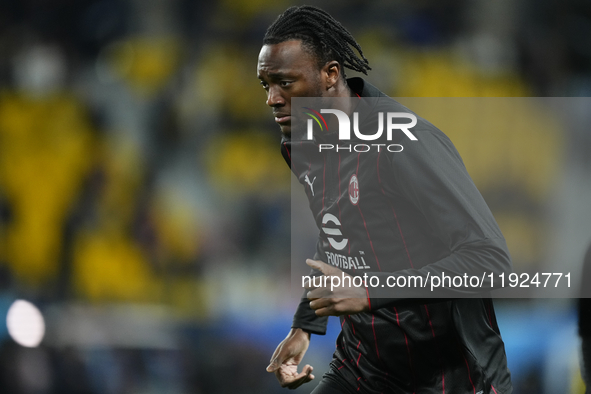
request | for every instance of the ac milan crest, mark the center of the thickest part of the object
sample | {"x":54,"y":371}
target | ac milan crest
{"x":354,"y":190}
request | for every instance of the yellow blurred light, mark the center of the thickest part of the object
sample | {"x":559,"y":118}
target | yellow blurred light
{"x":146,"y":63}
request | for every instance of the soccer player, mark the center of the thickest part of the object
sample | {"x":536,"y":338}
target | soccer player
{"x":412,"y":213}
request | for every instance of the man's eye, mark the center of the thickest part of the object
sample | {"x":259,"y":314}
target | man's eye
{"x":284,"y":83}
{"x":264,"y":85}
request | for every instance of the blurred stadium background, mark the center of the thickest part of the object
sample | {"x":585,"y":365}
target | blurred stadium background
{"x":145,"y":208}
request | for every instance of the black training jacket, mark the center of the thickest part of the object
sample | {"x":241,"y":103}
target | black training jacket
{"x":414,"y":213}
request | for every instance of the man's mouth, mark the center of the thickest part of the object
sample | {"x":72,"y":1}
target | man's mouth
{"x":282,"y":119}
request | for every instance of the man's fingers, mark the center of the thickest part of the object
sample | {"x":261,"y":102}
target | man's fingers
{"x":301,"y":381}
{"x":320,"y":292}
{"x":317,"y":265}
{"x":290,"y":378}
{"x":323,"y":267}
{"x":279,"y":356}
{"x":304,"y":377}
{"x":325,"y":307}
{"x":273,"y":365}
{"x":327,"y":311}
{"x":320,"y":303}
{"x":276,"y":359}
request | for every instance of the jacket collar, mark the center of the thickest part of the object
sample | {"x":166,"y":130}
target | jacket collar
{"x":364,"y":88}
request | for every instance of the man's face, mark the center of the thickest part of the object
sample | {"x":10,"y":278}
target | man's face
{"x":287,"y":70}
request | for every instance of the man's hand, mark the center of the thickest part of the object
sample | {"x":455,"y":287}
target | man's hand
{"x":287,"y":357}
{"x":342,"y":300}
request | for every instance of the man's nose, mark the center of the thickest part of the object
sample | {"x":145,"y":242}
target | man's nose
{"x":274,"y":99}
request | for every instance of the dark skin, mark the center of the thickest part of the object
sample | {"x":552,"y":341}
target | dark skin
{"x":288,"y":70}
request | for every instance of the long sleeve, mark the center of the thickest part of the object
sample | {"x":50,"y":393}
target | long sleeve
{"x":306,"y":319}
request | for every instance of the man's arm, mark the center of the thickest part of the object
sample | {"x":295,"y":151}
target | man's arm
{"x":290,"y":352}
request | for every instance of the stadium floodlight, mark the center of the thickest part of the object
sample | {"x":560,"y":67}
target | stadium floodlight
{"x":25,"y":323}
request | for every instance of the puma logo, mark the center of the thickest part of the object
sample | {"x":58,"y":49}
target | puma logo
{"x":310,"y":183}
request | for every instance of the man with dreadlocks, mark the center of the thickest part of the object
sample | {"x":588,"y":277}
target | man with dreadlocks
{"x":435,"y":221}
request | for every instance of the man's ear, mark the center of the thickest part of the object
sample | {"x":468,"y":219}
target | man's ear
{"x":331,"y":72}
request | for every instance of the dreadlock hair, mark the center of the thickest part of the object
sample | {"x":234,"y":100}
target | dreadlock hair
{"x":320,"y":34}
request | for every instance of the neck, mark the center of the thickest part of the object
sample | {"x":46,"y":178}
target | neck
{"x":343,"y":90}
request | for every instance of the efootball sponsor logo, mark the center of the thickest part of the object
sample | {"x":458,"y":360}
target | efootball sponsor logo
{"x":334,"y":231}
{"x":331,"y":227}
{"x":391,"y":121}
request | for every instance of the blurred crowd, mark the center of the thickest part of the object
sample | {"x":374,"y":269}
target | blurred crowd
{"x":140,"y":169}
